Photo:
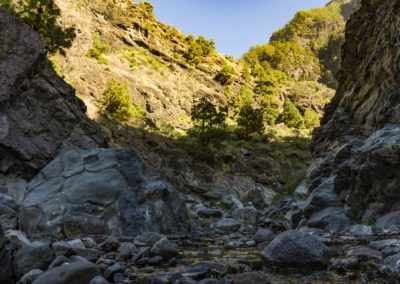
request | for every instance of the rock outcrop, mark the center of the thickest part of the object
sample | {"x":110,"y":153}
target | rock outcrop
{"x":40,"y":116}
{"x":358,"y":145}
{"x":100,"y":191}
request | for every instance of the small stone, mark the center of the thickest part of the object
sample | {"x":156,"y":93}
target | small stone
{"x":89,"y":242}
{"x":99,"y":280}
{"x":263,"y":235}
{"x":209,"y":212}
{"x":155,"y":260}
{"x":361,"y":230}
{"x":76,"y":243}
{"x":127,"y":248}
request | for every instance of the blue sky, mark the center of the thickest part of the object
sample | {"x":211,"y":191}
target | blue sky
{"x":235,"y":25}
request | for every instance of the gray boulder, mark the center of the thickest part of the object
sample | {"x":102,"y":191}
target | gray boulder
{"x":296,"y":249}
{"x":387,"y":220}
{"x":74,"y":273}
{"x":331,"y":218}
{"x":263,"y":235}
{"x":100,"y":191}
{"x":247,"y":215}
{"x":164,"y":248}
{"x":228,"y":225}
{"x":36,"y":255}
{"x":99,"y":280}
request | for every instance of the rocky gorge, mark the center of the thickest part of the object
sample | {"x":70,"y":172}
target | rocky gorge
{"x":75,"y":210}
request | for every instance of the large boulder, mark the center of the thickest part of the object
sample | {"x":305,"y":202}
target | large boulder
{"x":36,"y":255}
{"x":100,"y":191}
{"x":74,"y":273}
{"x":296,"y":249}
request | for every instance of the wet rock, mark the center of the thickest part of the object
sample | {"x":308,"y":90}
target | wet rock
{"x":164,"y":248}
{"x":37,"y":255}
{"x":99,"y":280}
{"x":101,"y":191}
{"x":263,"y":235}
{"x":209,"y":212}
{"x":74,"y":273}
{"x":388,"y":251}
{"x":31,"y":276}
{"x":228,"y":225}
{"x":296,"y":249}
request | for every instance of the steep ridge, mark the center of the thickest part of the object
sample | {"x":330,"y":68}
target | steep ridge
{"x":357,"y":145}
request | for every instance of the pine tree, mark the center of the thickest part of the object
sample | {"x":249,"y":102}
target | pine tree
{"x":291,"y":116}
{"x":207,"y":120}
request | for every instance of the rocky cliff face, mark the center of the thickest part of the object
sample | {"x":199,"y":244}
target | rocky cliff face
{"x":40,"y":116}
{"x":357,"y":146}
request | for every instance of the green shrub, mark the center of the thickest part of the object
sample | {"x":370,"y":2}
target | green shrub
{"x":117,"y":100}
{"x":148,"y":8}
{"x":226,"y":75}
{"x":42,"y":16}
{"x":97,"y":50}
{"x":198,"y":49}
{"x":291,"y":115}
{"x":270,"y":107}
{"x":311,"y":118}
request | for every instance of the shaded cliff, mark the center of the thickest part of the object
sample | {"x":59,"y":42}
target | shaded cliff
{"x":358,"y":145}
{"x":40,"y":116}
